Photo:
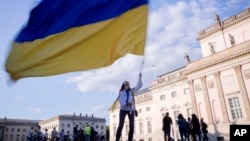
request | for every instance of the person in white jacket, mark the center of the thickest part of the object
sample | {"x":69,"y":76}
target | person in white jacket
{"x":127,"y":107}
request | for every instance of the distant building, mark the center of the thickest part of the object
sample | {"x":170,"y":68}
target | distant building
{"x":216,"y":87}
{"x":68,"y":122}
{"x":15,"y":129}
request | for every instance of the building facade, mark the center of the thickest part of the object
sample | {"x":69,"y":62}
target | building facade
{"x":68,"y":122}
{"x":15,"y":129}
{"x":215,"y":87}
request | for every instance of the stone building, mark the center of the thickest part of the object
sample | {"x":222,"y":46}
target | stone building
{"x":15,"y":129}
{"x":68,"y":122}
{"x":215,"y":87}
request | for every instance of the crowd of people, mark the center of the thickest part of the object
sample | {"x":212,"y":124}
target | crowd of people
{"x":89,"y":134}
{"x":189,"y":129}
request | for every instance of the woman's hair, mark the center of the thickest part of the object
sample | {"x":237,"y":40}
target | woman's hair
{"x":180,"y":116}
{"x":194,"y":116}
{"x":123,"y":87}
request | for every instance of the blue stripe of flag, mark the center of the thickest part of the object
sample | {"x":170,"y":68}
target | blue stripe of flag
{"x":55,"y":16}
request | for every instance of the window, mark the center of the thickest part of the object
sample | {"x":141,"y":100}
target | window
{"x":189,"y":112}
{"x":102,"y":127}
{"x":149,"y":127}
{"x":186,"y":91}
{"x":6,"y":137}
{"x":174,"y":94}
{"x":24,"y":130}
{"x":114,"y":131}
{"x":141,"y":127}
{"x":18,"y":129}
{"x":176,"y":113}
{"x":163,"y":114}
{"x":7,"y":129}
{"x":12,"y":129}
{"x":62,"y":125}
{"x":162,"y":97}
{"x":126,"y":126}
{"x":96,"y":126}
{"x":68,"y":125}
{"x":17,"y":137}
{"x":113,"y":116}
{"x":148,"y":109}
{"x":235,"y":108}
{"x":140,"y":111}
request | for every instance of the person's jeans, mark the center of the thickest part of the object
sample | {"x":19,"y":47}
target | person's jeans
{"x":131,"y":118}
{"x":183,"y":133}
{"x":167,"y":133}
{"x":87,"y":137}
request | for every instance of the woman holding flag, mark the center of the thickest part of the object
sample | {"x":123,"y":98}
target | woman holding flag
{"x":127,"y":107}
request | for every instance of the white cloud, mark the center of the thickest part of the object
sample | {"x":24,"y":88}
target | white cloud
{"x":172,"y":31}
{"x":18,"y":97}
{"x":34,"y":110}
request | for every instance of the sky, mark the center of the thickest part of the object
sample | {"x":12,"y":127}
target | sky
{"x":173,"y":27}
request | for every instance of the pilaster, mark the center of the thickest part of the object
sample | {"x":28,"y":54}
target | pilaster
{"x":192,"y":94}
{"x":207,"y":101}
{"x":221,"y":97}
{"x":243,"y":90}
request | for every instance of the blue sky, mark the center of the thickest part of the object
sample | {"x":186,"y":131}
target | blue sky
{"x":172,"y":30}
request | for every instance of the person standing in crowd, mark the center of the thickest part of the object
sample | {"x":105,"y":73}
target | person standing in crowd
{"x":87,"y":132}
{"x":29,"y":135}
{"x":61,"y":135}
{"x":102,"y":136}
{"x":204,"y":130}
{"x":189,"y":129}
{"x":81,"y":136}
{"x":75,"y":133}
{"x":93,"y":134}
{"x":127,"y":107}
{"x":167,"y":122}
{"x":182,"y":124}
{"x":196,"y":128}
{"x":54,"y":134}
{"x":39,"y":134}
{"x":45,"y":135}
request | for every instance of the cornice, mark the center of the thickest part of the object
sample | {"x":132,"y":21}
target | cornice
{"x":244,"y":15}
{"x":225,"y":56}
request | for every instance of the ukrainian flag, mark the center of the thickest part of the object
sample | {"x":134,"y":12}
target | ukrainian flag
{"x":74,"y":35}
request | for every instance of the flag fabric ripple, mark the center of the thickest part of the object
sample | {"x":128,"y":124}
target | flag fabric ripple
{"x":74,"y":35}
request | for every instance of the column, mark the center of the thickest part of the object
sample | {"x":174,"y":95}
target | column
{"x":192,"y":94}
{"x":221,"y":97}
{"x":243,"y":90}
{"x":206,"y":98}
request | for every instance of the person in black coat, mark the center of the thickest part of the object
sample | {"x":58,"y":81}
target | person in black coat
{"x":195,"y":127}
{"x":204,"y":130}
